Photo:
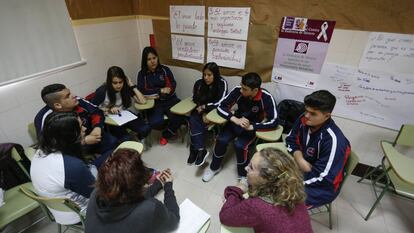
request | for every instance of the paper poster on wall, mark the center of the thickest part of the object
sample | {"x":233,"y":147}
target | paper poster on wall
{"x":227,"y":53}
{"x":187,"y":48}
{"x":228,"y":22}
{"x":390,"y":52}
{"x":302,"y":46}
{"x":187,"y":19}
{"x":377,"y":98}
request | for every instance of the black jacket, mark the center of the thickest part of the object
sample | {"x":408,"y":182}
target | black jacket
{"x":149,"y":215}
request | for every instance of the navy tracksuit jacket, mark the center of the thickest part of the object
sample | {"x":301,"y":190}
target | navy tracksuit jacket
{"x":327,"y":150}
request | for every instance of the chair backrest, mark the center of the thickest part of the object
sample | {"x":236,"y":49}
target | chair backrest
{"x":32,"y":131}
{"x":350,"y":165}
{"x":405,"y":136}
{"x":59,"y":204}
{"x":16,"y":156}
{"x":287,"y":113}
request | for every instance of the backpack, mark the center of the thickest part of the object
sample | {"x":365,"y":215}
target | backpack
{"x":11,"y":174}
{"x":288,"y":112}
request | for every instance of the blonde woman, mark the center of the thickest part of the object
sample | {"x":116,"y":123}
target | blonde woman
{"x":276,"y":196}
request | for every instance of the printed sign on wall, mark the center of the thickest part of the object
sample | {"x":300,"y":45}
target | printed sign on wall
{"x":302,"y":46}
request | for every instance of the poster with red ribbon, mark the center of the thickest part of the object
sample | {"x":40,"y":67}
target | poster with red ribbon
{"x":301,"y":48}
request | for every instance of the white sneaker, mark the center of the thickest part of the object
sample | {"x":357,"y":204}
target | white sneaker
{"x":144,"y":143}
{"x":243,"y":181}
{"x":209,"y":174}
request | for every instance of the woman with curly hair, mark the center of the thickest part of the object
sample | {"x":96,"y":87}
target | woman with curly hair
{"x":276,"y":196}
{"x":122,"y":202}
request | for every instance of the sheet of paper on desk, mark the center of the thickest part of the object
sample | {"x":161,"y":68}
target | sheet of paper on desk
{"x":124,"y":117}
{"x":192,"y":218}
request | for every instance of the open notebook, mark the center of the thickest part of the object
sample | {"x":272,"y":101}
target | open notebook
{"x":192,"y":218}
{"x":123,"y":117}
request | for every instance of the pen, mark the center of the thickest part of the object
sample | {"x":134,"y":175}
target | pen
{"x":119,"y":114}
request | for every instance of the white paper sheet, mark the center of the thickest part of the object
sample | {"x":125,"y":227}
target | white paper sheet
{"x":124,"y":117}
{"x":373,"y":97}
{"x":188,"y":48}
{"x":192,"y":218}
{"x":227,"y":53}
{"x":389,"y":52}
{"x":228,"y":22}
{"x":187,"y":19}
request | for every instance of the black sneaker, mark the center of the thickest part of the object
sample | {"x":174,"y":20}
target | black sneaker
{"x":192,"y":157}
{"x":201,"y":157}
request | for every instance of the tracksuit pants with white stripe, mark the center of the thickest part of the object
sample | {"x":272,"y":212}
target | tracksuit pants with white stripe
{"x":243,"y":139}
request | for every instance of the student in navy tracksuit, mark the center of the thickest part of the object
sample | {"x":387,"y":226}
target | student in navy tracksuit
{"x":117,"y":95}
{"x":59,"y":99}
{"x":157,"y":82}
{"x":256,"y":111}
{"x":319,"y":148}
{"x":207,"y":94}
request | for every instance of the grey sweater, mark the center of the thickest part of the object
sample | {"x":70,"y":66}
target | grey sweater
{"x":149,"y":215}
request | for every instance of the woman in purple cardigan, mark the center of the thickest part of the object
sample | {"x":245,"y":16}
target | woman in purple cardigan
{"x":276,"y":196}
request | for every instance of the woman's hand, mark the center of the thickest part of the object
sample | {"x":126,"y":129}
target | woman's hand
{"x":115,"y":110}
{"x":165,"y":176}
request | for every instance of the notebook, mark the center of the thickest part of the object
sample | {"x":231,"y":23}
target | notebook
{"x":192,"y":218}
{"x":123,"y":117}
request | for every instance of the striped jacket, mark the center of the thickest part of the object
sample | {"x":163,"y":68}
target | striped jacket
{"x":326,"y":149}
{"x":260,"y":111}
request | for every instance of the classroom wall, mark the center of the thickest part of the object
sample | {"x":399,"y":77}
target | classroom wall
{"x":118,"y":41}
{"x":346,"y":48}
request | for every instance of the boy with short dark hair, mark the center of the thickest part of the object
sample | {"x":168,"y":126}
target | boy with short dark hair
{"x":319,"y":148}
{"x":256,"y":110}
{"x":59,"y":98}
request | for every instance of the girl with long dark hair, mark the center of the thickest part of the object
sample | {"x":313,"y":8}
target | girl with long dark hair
{"x":117,"y":94}
{"x":157,"y":82}
{"x":207,"y":94}
{"x":58,"y":168}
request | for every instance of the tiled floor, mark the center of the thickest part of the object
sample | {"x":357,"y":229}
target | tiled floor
{"x":393,"y":215}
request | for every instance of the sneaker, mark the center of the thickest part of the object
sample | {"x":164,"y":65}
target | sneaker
{"x":144,"y":144}
{"x":209,"y":174}
{"x":163,"y":141}
{"x":201,"y":157}
{"x":192,"y":157}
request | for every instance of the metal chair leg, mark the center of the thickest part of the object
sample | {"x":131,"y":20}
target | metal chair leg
{"x":330,"y":215}
{"x":368,"y":173}
{"x":384,"y":190}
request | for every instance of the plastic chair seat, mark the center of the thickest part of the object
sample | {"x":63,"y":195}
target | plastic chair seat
{"x":214,"y":117}
{"x":271,"y":135}
{"x":183,"y":107}
{"x":16,"y":205}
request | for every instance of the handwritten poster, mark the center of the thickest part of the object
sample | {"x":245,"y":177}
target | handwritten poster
{"x":377,"y":98}
{"x":302,"y":46}
{"x":390,"y":52}
{"x":227,"y":53}
{"x":187,"y":19}
{"x":187,"y":48}
{"x":228,"y":22}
